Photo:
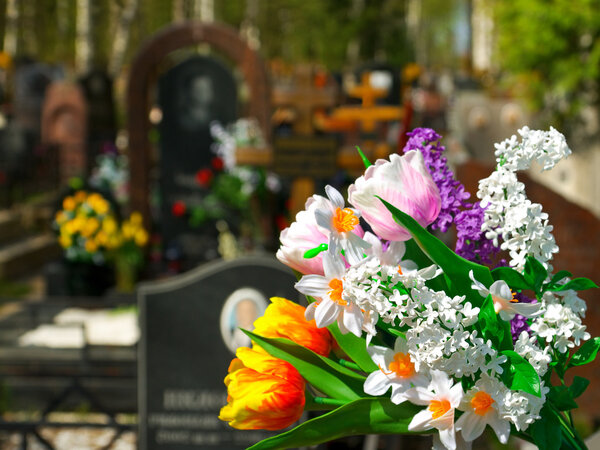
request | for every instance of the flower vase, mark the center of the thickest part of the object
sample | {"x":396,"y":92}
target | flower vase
{"x":126,"y":272}
{"x":87,"y":279}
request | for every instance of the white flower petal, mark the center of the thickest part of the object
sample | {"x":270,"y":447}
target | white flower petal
{"x":377,"y":383}
{"x":421,"y":421}
{"x":313,"y":285}
{"x":326,"y":313}
{"x":334,"y":195}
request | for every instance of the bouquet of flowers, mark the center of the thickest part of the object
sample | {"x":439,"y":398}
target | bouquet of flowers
{"x":87,"y":227}
{"x":404,"y":335}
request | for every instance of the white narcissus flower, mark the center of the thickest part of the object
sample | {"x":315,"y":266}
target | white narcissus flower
{"x":441,"y":398}
{"x":330,"y":304}
{"x":342,"y":224}
{"x":396,"y":370}
{"x":504,"y":303}
{"x":481,"y":406}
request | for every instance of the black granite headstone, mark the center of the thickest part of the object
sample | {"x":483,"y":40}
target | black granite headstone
{"x":97,"y":87}
{"x":191,"y":95}
{"x":189,"y":333}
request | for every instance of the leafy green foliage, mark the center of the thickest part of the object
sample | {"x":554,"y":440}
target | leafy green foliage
{"x":586,"y":353}
{"x":578,"y":284}
{"x":562,"y":398}
{"x":354,"y":347}
{"x":553,"y":50}
{"x":498,"y":331}
{"x":364,"y":416}
{"x":513,"y":278}
{"x":324,"y":374}
{"x":456,"y":269}
{"x":546,"y":432}
{"x":521,"y":376}
{"x":535,"y":274}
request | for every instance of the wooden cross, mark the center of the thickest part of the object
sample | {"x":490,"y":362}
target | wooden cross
{"x":304,"y":98}
{"x":368,"y":114}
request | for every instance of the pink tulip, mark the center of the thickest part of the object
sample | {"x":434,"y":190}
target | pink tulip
{"x":405,"y":183}
{"x":304,"y":234}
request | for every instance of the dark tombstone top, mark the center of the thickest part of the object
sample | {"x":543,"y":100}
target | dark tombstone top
{"x":97,"y":87}
{"x":188,"y":337}
{"x":31,"y":81}
{"x":191,"y":95}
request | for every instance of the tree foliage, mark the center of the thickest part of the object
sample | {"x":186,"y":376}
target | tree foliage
{"x":553,"y":47}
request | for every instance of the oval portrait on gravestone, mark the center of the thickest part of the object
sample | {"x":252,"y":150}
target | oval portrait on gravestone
{"x":240,"y":310}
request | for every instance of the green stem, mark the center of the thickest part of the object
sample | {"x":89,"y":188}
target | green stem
{"x":329,"y":401}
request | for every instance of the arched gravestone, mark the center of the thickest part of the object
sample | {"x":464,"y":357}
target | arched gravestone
{"x":191,"y":95}
{"x":64,"y":127}
{"x":221,"y":39}
{"x":188,"y":334}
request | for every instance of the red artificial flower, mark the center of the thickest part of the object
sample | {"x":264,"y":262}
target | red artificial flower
{"x":217,"y":163}
{"x":179,"y":208}
{"x":203,"y":177}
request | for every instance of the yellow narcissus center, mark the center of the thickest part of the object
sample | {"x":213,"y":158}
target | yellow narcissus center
{"x":402,"y":365}
{"x":344,"y":220}
{"x":335,"y":294}
{"x":481,"y":403}
{"x":439,"y":408}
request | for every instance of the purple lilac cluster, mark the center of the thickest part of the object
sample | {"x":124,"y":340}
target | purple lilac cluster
{"x":452,"y":192}
{"x":468,"y":217}
{"x":519,"y":323}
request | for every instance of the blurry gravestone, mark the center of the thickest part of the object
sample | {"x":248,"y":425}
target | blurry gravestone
{"x":97,"y":88}
{"x":191,"y":95}
{"x":64,"y":128}
{"x":479,"y":121}
{"x":30,"y":83}
{"x":15,"y":158}
{"x":188,"y":338}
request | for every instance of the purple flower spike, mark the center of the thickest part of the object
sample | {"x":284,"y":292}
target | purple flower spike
{"x":468,"y":217}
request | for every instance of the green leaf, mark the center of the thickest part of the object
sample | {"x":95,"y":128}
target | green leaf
{"x":365,"y":160}
{"x":586,"y":353}
{"x":354,"y":347}
{"x":488,"y":322}
{"x":364,"y":416}
{"x":560,"y":275}
{"x":522,"y":375}
{"x":546,"y":432}
{"x":456,"y":268}
{"x":326,"y":375}
{"x":535,"y":273}
{"x":579,"y":386}
{"x":578,"y":284}
{"x":562,"y":398}
{"x":513,"y":278}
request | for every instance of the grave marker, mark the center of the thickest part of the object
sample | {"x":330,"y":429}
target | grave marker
{"x":64,"y":118}
{"x":188,"y":333}
{"x":191,"y":95}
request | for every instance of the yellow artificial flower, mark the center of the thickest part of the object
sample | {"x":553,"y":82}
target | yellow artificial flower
{"x":127,"y":230}
{"x":90,"y":226}
{"x":69,"y":203}
{"x":136,"y":218}
{"x":80,"y":196}
{"x":65,"y":240}
{"x":91,"y":246}
{"x":109,"y":225}
{"x":141,"y":237}
{"x":263,"y":392}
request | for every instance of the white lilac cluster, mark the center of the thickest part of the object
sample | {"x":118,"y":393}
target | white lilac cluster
{"x":561,"y":324}
{"x":509,"y":214}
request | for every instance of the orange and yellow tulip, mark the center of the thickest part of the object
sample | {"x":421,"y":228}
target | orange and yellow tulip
{"x":262,"y":392}
{"x":285,"y":319}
